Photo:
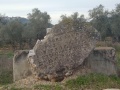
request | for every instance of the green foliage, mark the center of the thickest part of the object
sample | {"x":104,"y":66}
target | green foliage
{"x":38,"y":22}
{"x":96,"y":12}
{"x":3,"y":21}
{"x":19,"y":31}
{"x":101,"y":21}
{"x":73,"y":19}
{"x":106,"y":22}
{"x":12,"y":33}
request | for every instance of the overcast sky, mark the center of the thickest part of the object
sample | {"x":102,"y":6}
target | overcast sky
{"x":55,"y":8}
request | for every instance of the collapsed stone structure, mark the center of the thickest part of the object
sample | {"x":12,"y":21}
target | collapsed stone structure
{"x":62,"y":52}
{"x":102,"y":60}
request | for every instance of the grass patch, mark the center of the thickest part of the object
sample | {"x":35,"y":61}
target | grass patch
{"x":6,"y":77}
{"x":48,"y":87}
{"x":8,"y":87}
{"x":94,"y":82}
{"x":7,"y":54}
{"x":10,"y":54}
{"x":14,"y":88}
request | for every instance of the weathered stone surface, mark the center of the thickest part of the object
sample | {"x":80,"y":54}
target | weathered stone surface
{"x":62,"y":50}
{"x":21,"y":66}
{"x":103,"y":60}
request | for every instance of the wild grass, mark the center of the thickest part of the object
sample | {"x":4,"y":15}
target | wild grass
{"x":48,"y":87}
{"x":7,"y":54}
{"x":6,"y":77}
{"x":14,"y":88}
{"x":94,"y":82}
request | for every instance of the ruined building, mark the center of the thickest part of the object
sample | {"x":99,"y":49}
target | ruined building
{"x":65,"y":50}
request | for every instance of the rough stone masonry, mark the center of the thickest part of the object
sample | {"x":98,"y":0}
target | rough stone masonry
{"x":58,"y":55}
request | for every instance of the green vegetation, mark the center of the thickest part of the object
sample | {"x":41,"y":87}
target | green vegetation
{"x":6,"y":77}
{"x":48,"y":87}
{"x":14,"y":88}
{"x":17,"y":34}
{"x":91,"y":81}
{"x":94,"y":82}
{"x":106,"y":22}
{"x":6,"y":53}
{"x":6,"y":72}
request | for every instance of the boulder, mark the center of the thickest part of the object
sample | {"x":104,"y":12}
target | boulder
{"x":63,"y":49}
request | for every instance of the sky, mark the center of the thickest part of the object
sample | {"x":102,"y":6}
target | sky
{"x":55,"y":8}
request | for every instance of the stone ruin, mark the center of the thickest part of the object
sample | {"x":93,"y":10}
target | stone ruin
{"x":63,"y":52}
